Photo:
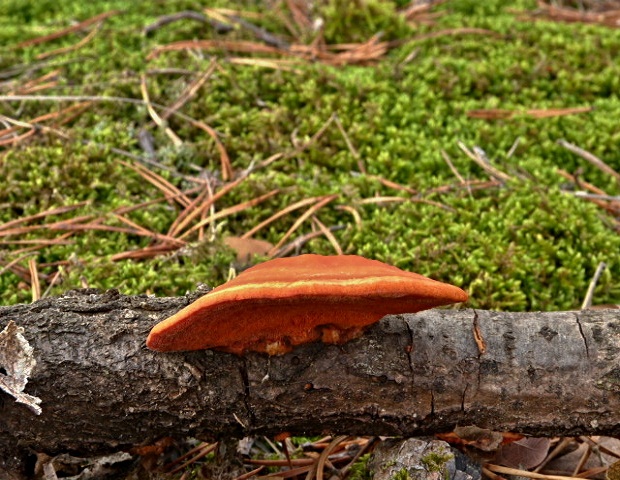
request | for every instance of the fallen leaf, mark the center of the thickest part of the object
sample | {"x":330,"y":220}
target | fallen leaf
{"x":246,"y":248}
{"x":525,"y":454}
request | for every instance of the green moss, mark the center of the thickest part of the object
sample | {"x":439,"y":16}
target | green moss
{"x":359,"y":470}
{"x":436,"y":462}
{"x":402,"y":474}
{"x":356,"y":20}
{"x":525,"y":245}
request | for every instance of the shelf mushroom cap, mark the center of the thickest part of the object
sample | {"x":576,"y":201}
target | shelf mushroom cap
{"x":285,"y":302}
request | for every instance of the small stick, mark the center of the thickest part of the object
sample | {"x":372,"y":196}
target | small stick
{"x":281,"y":213}
{"x":451,"y":165}
{"x":319,"y":133}
{"x":587,"y":301}
{"x":191,"y":90}
{"x":594,"y":160}
{"x":55,"y":278}
{"x":160,"y":122}
{"x":228,"y":211}
{"x":189,"y":15}
{"x":363,"y":449}
{"x":311,"y":211}
{"x":71,"y":48}
{"x":328,"y":234}
{"x":34,"y":279}
{"x":609,"y":198}
{"x":478,"y":157}
{"x":582,"y":461}
{"x":354,"y":213}
{"x":300,"y":241}
{"x":260,"y":33}
{"x":514,"y":147}
{"x":525,"y":473}
{"x":350,"y":146}
{"x":71,"y":29}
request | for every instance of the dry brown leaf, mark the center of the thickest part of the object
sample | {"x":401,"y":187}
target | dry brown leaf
{"x":480,"y":438}
{"x":247,"y":248}
{"x":526,"y":453}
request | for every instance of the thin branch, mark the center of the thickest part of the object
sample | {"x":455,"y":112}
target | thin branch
{"x":34,"y":279}
{"x":160,"y":122}
{"x":72,"y":48}
{"x":191,"y":89}
{"x":593,"y":159}
{"x":280,"y":214}
{"x":480,"y":158}
{"x":186,"y":15}
{"x":451,"y":165}
{"x":328,"y":234}
{"x":66,"y":31}
{"x":587,"y":301}
{"x":308,"y":213}
{"x":352,"y":149}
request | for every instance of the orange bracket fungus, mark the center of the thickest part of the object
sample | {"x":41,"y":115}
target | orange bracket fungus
{"x":284,"y":302}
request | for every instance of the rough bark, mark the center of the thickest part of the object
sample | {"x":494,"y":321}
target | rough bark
{"x":101,"y":390}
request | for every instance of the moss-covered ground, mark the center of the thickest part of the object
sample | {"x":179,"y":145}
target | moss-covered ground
{"x":524,"y":243}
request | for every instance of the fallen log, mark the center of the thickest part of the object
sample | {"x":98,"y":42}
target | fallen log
{"x":102,"y":390}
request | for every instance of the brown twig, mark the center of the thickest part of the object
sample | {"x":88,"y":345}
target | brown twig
{"x":34,"y":279}
{"x":455,"y":31}
{"x":328,"y":234}
{"x":483,"y":162}
{"x":280,"y":214}
{"x":168,"y":189}
{"x":260,"y":33}
{"x":226,"y":167}
{"x":44,"y":214}
{"x":66,"y":31}
{"x":308,"y":213}
{"x":230,"y":211}
{"x":189,"y":458}
{"x":71,"y":48}
{"x":593,"y":159}
{"x":48,"y":80}
{"x":587,"y":301}
{"x":525,"y":473}
{"x":227,"y":45}
{"x":352,"y":149}
{"x":600,"y":197}
{"x":201,"y":204}
{"x":185,"y":15}
{"x":191,"y":90}
{"x":300,"y":241}
{"x":160,"y":122}
{"x":610,"y":18}
{"x":393,"y":199}
{"x":447,"y":159}
{"x":498,"y":113}
{"x":396,"y":186}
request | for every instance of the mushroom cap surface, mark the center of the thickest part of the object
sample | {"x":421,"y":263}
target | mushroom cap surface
{"x":284,"y":302}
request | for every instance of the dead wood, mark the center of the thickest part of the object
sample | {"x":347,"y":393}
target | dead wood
{"x":101,"y":390}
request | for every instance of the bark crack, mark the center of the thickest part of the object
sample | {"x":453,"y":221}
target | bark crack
{"x":463,"y":395}
{"x":243,"y":370}
{"x":475,"y":326}
{"x":408,"y":351}
{"x":583,"y":337}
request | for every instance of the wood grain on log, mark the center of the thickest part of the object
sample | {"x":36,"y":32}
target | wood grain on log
{"x":101,"y":390}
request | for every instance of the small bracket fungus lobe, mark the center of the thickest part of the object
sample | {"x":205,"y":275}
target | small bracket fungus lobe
{"x":284,"y":302}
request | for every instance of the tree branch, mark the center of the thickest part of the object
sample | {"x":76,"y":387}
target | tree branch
{"x":101,"y":390}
